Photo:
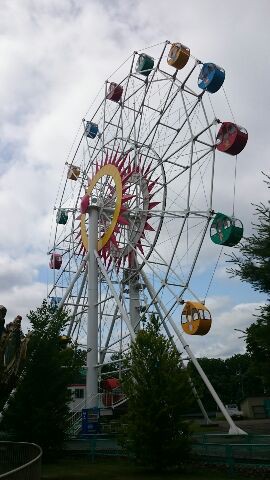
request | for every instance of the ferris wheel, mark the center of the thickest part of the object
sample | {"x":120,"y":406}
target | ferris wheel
{"x":137,"y":215}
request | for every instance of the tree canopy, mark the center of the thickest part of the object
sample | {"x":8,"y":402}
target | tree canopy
{"x":38,"y":411}
{"x":157,"y":390}
{"x":233,"y":378}
{"x":252,"y":265}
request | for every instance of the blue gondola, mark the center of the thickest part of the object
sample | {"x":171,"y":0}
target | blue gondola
{"x":211,"y":77}
{"x":91,"y":129}
{"x":55,"y":301}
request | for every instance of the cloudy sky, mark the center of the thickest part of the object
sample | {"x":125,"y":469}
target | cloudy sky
{"x":54,"y":57}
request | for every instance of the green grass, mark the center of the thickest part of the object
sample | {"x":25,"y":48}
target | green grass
{"x":119,"y":469}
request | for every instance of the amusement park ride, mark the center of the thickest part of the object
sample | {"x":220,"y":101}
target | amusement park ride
{"x":136,"y":205}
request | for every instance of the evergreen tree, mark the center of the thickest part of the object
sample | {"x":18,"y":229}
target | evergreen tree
{"x":252,"y":265}
{"x":38,"y":411}
{"x":157,"y":390}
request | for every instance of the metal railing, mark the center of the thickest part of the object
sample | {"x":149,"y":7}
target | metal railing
{"x":223,"y":438}
{"x":242,"y":454}
{"x":20,"y":461}
{"x":75,"y":418}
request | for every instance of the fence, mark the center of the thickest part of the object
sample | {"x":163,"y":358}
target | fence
{"x":20,"y":461}
{"x":246,"y":454}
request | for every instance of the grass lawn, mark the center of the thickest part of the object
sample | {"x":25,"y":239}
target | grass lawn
{"x":118,"y":469}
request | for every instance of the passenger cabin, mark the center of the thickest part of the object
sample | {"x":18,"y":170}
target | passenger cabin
{"x":84,"y":204}
{"x":178,"y":56}
{"x":91,"y":129}
{"x":73,"y":172}
{"x":196,"y":319}
{"x":112,"y":392}
{"x":211,"y":77}
{"x":61,"y":216}
{"x":115,"y":92}
{"x":144,"y":64}
{"x":231,"y":138}
{"x":226,"y":230}
{"x":55,"y":261}
{"x":55,"y":302}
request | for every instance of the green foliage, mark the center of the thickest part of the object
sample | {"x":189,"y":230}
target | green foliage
{"x":38,"y":412}
{"x":258,"y":346}
{"x":253,"y":266}
{"x":233,"y":378}
{"x":157,"y":389}
{"x":253,"y":263}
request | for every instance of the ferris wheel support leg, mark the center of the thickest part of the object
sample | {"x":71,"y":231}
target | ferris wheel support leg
{"x":192,"y":386}
{"x":92,"y":324}
{"x":233,"y":430}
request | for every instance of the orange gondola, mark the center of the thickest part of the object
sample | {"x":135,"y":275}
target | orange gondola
{"x":178,"y":56}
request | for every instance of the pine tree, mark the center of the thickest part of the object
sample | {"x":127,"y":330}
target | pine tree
{"x":253,"y":266}
{"x":157,"y":390}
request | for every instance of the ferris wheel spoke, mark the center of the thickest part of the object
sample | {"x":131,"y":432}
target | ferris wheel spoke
{"x":184,"y":284}
{"x":78,"y":300}
{"x":119,"y":304}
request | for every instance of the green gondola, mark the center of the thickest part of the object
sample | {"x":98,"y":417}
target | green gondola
{"x":226,"y":230}
{"x":62,"y":216}
{"x":144,"y":64}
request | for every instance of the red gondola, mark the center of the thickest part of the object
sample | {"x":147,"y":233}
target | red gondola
{"x":55,"y":261}
{"x":115,"y":92}
{"x":231,"y":138}
{"x":84,"y":204}
{"x":111,"y":391}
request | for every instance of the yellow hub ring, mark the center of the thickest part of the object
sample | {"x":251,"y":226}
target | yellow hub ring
{"x":111,"y":171}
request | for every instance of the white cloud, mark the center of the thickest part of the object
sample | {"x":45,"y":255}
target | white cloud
{"x":55,"y":56}
{"x":19,"y":300}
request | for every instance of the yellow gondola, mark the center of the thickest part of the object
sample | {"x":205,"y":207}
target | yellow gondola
{"x":196,"y":319}
{"x":178,"y":55}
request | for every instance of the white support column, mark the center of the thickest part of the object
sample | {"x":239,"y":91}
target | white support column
{"x":134,"y":296}
{"x":233,"y":430}
{"x":92,"y":324}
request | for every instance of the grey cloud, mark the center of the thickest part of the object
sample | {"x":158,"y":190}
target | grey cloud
{"x":55,"y":57}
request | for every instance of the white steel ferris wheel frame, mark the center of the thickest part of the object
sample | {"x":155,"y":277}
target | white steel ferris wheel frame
{"x":81,"y":281}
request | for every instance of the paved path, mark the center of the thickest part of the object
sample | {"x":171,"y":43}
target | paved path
{"x":258,"y":426}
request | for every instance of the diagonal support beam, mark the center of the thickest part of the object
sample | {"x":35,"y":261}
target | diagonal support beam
{"x":233,"y":430}
{"x":116,"y":297}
